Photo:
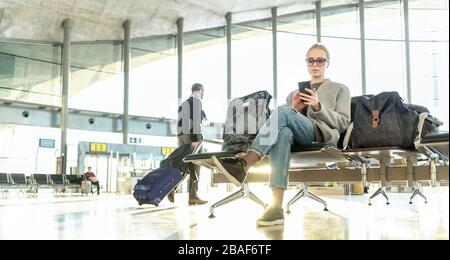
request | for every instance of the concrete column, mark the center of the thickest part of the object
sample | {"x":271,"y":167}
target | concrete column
{"x":275,"y":55}
{"x":66,"y":60}
{"x":363,"y":46}
{"x":228,"y":18}
{"x":180,"y":45}
{"x":407,"y":52}
{"x":126,"y":84}
{"x":318,"y":21}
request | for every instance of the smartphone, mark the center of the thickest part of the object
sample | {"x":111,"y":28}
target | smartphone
{"x":303,"y":85}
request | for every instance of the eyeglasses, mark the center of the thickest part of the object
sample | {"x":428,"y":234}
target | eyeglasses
{"x":318,"y":61}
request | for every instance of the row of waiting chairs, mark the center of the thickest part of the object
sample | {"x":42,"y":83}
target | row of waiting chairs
{"x":32,"y":182}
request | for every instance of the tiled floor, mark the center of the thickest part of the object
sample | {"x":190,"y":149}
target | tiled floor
{"x":119,"y":217}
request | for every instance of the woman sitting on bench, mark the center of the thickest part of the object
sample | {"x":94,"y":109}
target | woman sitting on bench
{"x":318,"y":114}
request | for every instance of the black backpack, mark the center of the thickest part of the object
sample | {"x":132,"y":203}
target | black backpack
{"x":383,"y":120}
{"x":245,"y":116}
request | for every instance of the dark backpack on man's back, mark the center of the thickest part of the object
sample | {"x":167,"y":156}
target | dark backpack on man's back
{"x":383,"y":120}
{"x":245,"y":117}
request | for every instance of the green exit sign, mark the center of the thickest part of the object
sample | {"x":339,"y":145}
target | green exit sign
{"x":135,"y":140}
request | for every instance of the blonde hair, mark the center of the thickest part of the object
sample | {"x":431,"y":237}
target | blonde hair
{"x":321,"y":47}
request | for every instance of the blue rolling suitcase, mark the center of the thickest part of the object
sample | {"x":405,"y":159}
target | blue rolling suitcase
{"x":156,"y":185}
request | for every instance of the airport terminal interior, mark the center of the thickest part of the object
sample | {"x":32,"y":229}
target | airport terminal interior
{"x":90,"y":103}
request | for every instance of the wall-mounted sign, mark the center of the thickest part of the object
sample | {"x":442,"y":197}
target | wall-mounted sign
{"x":98,"y":147}
{"x":165,"y":151}
{"x":135,"y":140}
{"x":46,"y":143}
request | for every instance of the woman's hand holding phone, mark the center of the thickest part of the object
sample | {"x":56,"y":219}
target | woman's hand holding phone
{"x":297,"y":102}
{"x":310,"y":98}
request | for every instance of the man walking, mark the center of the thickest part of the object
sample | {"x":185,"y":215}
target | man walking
{"x":190,"y":118}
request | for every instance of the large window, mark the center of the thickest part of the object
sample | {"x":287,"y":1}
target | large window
{"x":345,"y":66}
{"x":153,"y":83}
{"x":296,"y":34}
{"x":96,"y":78}
{"x":30,"y":73}
{"x":205,"y":62}
{"x":385,"y":48}
{"x":252,"y":66}
{"x":20,"y":151}
{"x":429,"y":56}
{"x":341,"y":35}
{"x":428,"y":20}
{"x":429,"y":77}
{"x":384,"y":20}
{"x":385,"y":67}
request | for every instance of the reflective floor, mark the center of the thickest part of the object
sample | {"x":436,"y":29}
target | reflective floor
{"x":119,"y":217}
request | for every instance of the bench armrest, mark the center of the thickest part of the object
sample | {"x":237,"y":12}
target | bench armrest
{"x":201,"y":143}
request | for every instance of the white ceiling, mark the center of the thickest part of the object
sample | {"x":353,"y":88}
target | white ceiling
{"x":102,"y":19}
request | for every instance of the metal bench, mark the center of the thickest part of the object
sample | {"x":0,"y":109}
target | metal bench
{"x":428,"y":162}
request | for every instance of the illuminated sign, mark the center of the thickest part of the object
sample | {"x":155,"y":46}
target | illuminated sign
{"x":165,"y":151}
{"x":135,"y":140}
{"x":98,"y":147}
{"x":47,"y":143}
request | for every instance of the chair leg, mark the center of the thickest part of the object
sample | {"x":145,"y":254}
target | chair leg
{"x":244,"y":192}
{"x":317,"y":198}
{"x":417,"y":192}
{"x":238,"y":194}
{"x":300,"y":194}
{"x":378,"y":192}
{"x":253,"y":197}
{"x":304,"y":192}
{"x":386,"y":196}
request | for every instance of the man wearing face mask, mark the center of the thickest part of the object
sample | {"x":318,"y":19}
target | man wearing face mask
{"x":190,"y":118}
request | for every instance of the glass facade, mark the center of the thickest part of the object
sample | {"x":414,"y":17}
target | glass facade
{"x":385,"y":66}
{"x":385,"y":48}
{"x":251,"y":58}
{"x":20,"y":151}
{"x":429,"y":56}
{"x":31,"y":72}
{"x":153,"y":79}
{"x":296,"y":34}
{"x":384,"y":20}
{"x":96,"y":70}
{"x":341,"y":33}
{"x":205,"y":62}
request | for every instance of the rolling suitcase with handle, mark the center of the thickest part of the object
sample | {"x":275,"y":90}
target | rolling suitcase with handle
{"x":85,"y":187}
{"x":156,"y":185}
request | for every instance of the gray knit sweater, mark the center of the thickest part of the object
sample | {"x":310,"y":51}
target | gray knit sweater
{"x":333,"y":118}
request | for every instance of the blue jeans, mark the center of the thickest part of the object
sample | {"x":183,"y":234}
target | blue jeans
{"x":276,"y":137}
